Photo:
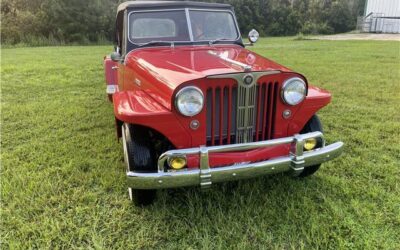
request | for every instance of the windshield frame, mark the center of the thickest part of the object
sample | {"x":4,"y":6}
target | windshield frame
{"x":188,"y":23}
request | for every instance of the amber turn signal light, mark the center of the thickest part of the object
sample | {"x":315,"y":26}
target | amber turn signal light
{"x":310,"y":144}
{"x":177,"y":162}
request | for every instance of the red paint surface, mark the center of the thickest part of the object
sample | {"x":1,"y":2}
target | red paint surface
{"x":226,"y":159}
{"x":136,"y":107}
{"x":162,"y":69}
{"x":150,"y":78}
{"x":111,"y":75}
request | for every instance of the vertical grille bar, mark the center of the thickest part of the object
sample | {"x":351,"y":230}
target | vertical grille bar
{"x":251,"y":109}
{"x":269,"y":113}
{"x":264,"y":123}
{"x":275,"y":96}
{"x":240,"y":113}
{"x":221,"y":114}
{"x":228,"y":130}
{"x":259,"y":92}
{"x":213,"y":117}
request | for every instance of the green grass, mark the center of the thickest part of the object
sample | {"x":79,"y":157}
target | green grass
{"x":63,"y":180}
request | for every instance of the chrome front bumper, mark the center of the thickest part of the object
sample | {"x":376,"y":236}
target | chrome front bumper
{"x":296,"y":161}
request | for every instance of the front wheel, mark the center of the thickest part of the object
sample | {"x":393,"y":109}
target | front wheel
{"x":139,"y":157}
{"x":313,"y":125}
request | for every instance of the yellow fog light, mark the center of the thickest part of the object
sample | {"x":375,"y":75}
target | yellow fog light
{"x":177,"y":162}
{"x":310,"y":143}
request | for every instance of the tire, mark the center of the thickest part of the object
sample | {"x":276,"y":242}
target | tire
{"x":139,"y":157}
{"x":313,"y":125}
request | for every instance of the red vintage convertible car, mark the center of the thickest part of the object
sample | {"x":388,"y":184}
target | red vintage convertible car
{"x":193,"y":106}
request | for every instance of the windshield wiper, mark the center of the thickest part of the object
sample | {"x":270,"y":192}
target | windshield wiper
{"x":172,"y":43}
{"x":218,"y":40}
{"x":157,"y":43}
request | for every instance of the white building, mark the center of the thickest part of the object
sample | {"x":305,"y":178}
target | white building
{"x":381,"y":16}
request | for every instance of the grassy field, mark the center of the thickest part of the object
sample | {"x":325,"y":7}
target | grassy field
{"x":63,"y":180}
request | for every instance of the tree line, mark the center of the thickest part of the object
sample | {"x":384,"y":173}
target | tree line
{"x":44,"y":22}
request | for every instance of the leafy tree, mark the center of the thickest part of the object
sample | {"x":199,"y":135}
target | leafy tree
{"x":39,"y":22}
{"x":339,"y":17}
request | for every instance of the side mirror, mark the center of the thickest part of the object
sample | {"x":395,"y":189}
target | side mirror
{"x":116,"y":57}
{"x":253,"y":36}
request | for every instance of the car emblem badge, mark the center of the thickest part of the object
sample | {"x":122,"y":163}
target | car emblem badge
{"x":248,"y":79}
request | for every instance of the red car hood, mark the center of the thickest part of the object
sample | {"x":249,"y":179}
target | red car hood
{"x":166,"y":68}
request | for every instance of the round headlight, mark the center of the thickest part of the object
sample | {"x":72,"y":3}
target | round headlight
{"x":189,"y":101}
{"x":293,"y":91}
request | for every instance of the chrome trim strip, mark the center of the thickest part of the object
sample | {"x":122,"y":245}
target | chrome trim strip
{"x":204,"y":176}
{"x":125,"y":33}
{"x":189,"y":23}
{"x":239,"y":76}
{"x":245,"y":67}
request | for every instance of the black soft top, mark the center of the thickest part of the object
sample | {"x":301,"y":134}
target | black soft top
{"x":133,"y":5}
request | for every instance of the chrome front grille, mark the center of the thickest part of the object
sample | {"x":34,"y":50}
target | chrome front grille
{"x":249,"y":110}
{"x":245,"y":110}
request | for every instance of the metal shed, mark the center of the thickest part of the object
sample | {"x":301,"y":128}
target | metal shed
{"x":380,"y":16}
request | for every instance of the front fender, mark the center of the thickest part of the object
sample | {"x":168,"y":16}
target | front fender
{"x":136,"y":107}
{"x":316,"y":99}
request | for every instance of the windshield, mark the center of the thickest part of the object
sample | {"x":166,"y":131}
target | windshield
{"x":172,"y":26}
{"x":158,"y":26}
{"x":212,"y":25}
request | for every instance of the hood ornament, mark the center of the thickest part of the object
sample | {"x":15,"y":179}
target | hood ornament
{"x":245,"y":67}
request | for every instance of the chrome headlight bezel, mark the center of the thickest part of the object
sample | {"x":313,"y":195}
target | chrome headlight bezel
{"x":180,"y":94}
{"x":253,"y":36}
{"x":289,"y":83}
